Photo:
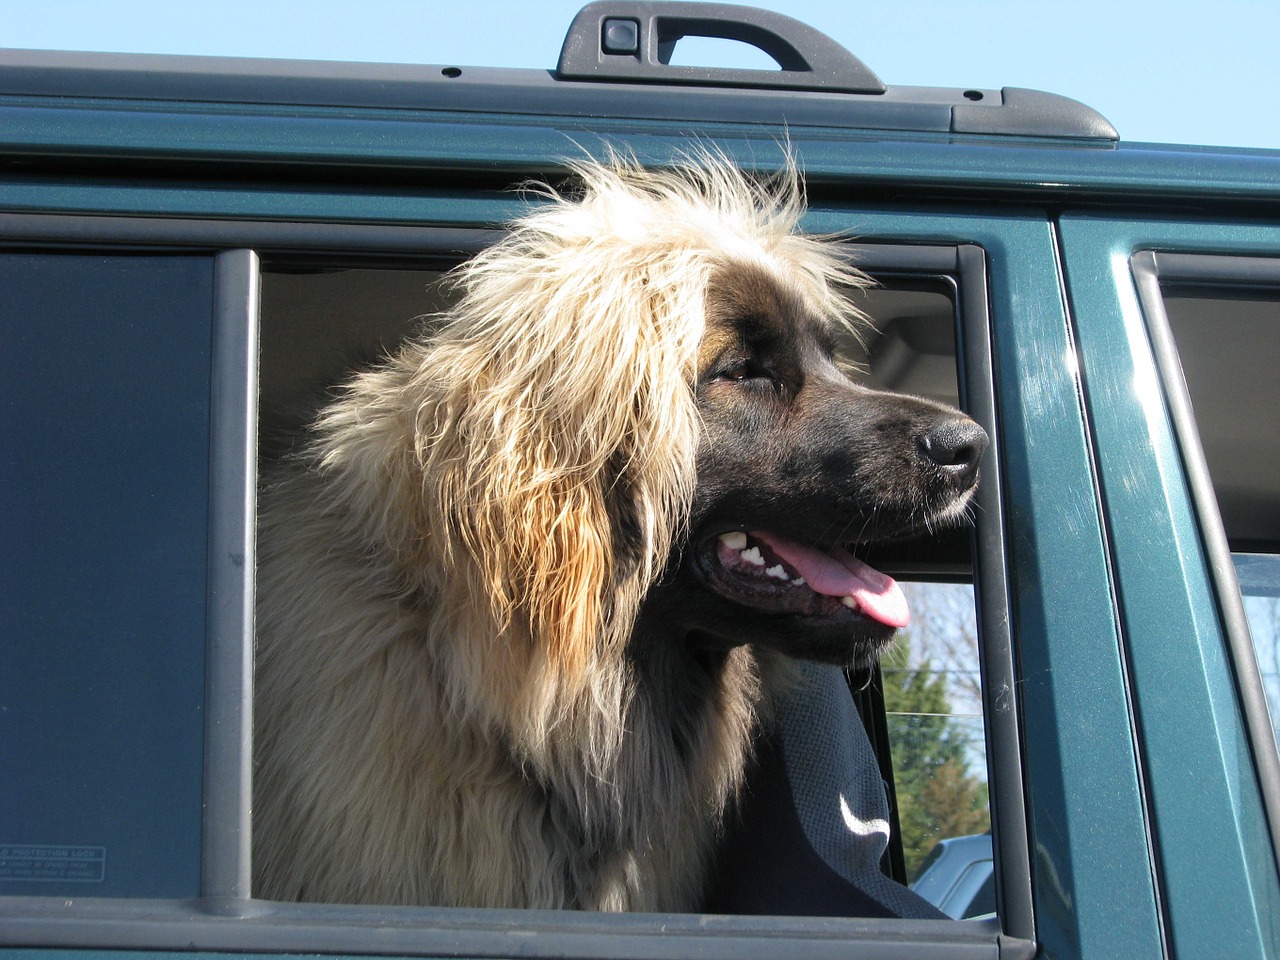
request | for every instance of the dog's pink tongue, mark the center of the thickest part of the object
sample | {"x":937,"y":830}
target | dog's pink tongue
{"x":840,"y":574}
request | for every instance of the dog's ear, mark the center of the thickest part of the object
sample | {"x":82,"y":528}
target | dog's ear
{"x":557,"y":435}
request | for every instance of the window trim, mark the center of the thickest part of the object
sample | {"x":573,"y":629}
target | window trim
{"x":1000,"y":677}
{"x":1150,"y":270}
{"x":227,"y":918}
{"x":233,"y":457}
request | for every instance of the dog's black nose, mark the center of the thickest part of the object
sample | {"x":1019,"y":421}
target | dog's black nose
{"x":955,"y":444}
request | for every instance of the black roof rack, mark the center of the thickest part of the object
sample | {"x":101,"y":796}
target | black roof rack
{"x":614,"y":64}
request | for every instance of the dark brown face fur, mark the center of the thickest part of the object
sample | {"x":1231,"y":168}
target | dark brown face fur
{"x":793,"y":448}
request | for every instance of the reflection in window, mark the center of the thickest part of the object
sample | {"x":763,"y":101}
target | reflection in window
{"x":933,"y":702}
{"x":1259,"y":576}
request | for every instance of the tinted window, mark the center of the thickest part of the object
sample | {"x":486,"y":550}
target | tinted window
{"x":1227,"y":341}
{"x":104,"y":449}
{"x":1228,"y":337}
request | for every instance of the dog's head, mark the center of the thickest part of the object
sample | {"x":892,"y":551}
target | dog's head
{"x":797,"y":466}
{"x":633,"y":415}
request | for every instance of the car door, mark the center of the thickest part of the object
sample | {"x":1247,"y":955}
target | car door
{"x":1174,"y":319}
{"x":969,"y":305}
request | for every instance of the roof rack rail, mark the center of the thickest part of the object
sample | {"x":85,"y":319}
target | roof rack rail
{"x":615,"y":63}
{"x":632,"y":41}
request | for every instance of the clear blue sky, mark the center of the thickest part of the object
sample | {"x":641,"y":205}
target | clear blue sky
{"x":1170,"y":71}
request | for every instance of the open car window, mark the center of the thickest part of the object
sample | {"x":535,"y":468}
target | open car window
{"x":320,"y":320}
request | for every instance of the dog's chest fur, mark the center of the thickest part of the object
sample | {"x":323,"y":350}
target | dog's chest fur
{"x":377,"y":782}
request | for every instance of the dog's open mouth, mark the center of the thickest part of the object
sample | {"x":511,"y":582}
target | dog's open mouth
{"x":776,"y":575}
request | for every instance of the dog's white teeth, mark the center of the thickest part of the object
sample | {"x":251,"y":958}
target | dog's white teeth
{"x":734,"y":539}
{"x":798,"y":582}
{"x":753,"y":557}
{"x":777,"y":572}
{"x":849,"y":602}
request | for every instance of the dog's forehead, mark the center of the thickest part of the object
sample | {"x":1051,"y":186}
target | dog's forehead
{"x":751,"y":304}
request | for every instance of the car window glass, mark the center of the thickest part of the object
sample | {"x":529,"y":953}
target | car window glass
{"x":104,"y":471}
{"x":1259,"y":576}
{"x":1227,"y":339}
{"x":933,"y":702}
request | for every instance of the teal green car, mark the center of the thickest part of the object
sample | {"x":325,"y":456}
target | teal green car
{"x":189,"y":246}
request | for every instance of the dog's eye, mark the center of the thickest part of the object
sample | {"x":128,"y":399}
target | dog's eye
{"x":744,"y":370}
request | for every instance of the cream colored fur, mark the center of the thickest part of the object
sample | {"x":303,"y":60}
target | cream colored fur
{"x":450,"y":572}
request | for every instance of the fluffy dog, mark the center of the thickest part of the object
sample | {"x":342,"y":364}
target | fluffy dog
{"x":525,"y":589}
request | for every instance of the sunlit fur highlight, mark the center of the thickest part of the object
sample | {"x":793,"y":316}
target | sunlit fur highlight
{"x":451,"y":569}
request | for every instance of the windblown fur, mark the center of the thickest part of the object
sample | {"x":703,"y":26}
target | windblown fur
{"x":456,"y":702}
